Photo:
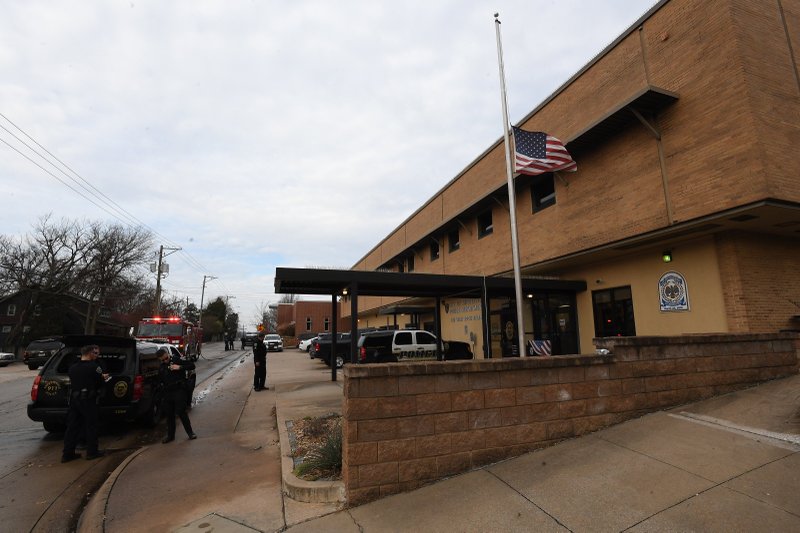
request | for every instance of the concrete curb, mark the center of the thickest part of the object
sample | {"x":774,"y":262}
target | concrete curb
{"x":93,"y":517}
{"x":300,"y":489}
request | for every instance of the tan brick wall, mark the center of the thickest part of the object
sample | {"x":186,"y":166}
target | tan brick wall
{"x":727,"y":140}
{"x":409,"y":424}
{"x":760,"y":282}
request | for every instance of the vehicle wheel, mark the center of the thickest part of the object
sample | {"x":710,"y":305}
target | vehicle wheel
{"x":54,"y":427}
{"x":339,"y":361}
{"x":33,"y":367}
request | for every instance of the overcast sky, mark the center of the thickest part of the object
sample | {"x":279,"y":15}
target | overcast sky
{"x":256,"y":134}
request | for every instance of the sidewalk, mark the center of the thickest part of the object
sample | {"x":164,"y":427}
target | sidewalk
{"x":726,"y":464}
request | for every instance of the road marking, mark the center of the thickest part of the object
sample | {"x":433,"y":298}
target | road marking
{"x":781,"y":438}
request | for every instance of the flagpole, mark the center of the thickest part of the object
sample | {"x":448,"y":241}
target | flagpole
{"x":511,"y":196}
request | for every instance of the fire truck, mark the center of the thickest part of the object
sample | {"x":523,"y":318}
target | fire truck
{"x":187,"y":336}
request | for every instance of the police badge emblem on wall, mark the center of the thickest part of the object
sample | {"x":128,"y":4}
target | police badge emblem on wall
{"x":672,"y":292}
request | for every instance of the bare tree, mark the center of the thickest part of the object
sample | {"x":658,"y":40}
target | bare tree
{"x":94,"y":261}
{"x":112,"y":253}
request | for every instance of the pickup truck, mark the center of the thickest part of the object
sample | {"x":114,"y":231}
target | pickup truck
{"x":407,"y":345}
{"x":322,"y":348}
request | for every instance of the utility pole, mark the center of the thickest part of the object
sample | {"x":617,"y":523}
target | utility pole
{"x":202,"y":294}
{"x":161,"y":269}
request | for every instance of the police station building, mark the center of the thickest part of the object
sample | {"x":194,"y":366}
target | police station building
{"x":683,"y":216}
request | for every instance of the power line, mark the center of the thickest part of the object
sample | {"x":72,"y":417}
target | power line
{"x":120,"y":214}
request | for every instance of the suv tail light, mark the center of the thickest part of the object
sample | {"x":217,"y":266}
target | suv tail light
{"x":35,"y":388}
{"x":362,"y":354}
{"x":138,"y":384}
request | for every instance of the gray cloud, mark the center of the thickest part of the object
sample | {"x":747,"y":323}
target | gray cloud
{"x":264,"y":134}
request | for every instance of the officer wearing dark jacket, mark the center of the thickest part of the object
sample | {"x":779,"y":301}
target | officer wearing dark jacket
{"x":172,"y":374}
{"x":260,"y":359}
{"x":86,"y":379}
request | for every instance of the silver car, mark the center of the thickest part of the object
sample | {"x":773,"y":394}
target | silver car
{"x":6,"y":358}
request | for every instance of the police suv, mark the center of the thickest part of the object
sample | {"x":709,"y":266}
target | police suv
{"x":391,"y":346}
{"x":131,"y":393}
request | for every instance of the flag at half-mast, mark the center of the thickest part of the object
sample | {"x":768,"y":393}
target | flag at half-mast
{"x":537,"y":153}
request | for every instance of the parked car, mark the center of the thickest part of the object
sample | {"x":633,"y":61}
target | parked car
{"x":392,"y":346}
{"x":323,"y":344}
{"x":132,"y":393}
{"x":6,"y":358}
{"x":274,"y":342}
{"x":39,"y":351}
{"x":305,"y":344}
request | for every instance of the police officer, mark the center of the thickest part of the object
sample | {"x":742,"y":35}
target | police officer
{"x":172,"y":374}
{"x":86,"y":379}
{"x":260,"y":360}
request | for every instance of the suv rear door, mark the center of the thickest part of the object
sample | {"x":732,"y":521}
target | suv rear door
{"x":116,"y":354}
{"x":414,"y":345}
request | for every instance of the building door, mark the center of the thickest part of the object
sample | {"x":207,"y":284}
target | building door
{"x":555,"y":322}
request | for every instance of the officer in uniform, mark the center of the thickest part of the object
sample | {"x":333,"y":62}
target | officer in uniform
{"x":260,"y":359}
{"x":86,"y":379}
{"x":172,"y":374}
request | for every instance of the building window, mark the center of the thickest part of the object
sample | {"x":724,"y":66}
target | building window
{"x":454,"y":240}
{"x":308,"y":323}
{"x":12,"y":310}
{"x":613,"y":312}
{"x":327,"y":324}
{"x":543,"y":192}
{"x":6,"y":329}
{"x":400,"y":266}
{"x":410,"y":263}
{"x":485,"y":224}
{"x":434,"y":251}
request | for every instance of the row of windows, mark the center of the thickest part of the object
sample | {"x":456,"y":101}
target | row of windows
{"x":326,"y":323}
{"x":543,"y":195}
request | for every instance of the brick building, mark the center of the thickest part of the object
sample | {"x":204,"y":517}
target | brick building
{"x":308,"y":317}
{"x":683,"y":216}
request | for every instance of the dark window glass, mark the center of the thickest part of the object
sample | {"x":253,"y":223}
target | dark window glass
{"x":485,"y":224}
{"x":308,"y":323}
{"x":454,"y":240}
{"x":424,"y":337}
{"x":543,"y":192}
{"x":326,"y":324}
{"x":402,"y":339}
{"x":613,"y":313}
{"x":434,"y":251}
{"x":410,"y":262}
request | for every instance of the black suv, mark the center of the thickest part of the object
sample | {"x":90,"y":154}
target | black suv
{"x":39,"y":351}
{"x":249,"y":339}
{"x":132,"y":392}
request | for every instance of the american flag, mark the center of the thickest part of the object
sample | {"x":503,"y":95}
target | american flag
{"x":539,"y":347}
{"x":537,"y":152}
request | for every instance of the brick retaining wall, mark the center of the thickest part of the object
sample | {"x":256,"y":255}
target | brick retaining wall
{"x":409,"y":424}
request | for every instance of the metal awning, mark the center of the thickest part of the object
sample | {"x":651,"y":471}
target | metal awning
{"x":646,"y":101}
{"x":371,"y":283}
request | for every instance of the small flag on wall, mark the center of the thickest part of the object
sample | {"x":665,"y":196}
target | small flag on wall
{"x":539,"y":347}
{"x":537,"y":152}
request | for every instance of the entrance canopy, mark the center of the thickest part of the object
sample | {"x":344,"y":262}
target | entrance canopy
{"x":371,"y":283}
{"x":357,"y":283}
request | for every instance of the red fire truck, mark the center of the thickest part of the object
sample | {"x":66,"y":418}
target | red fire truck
{"x":187,"y":336}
